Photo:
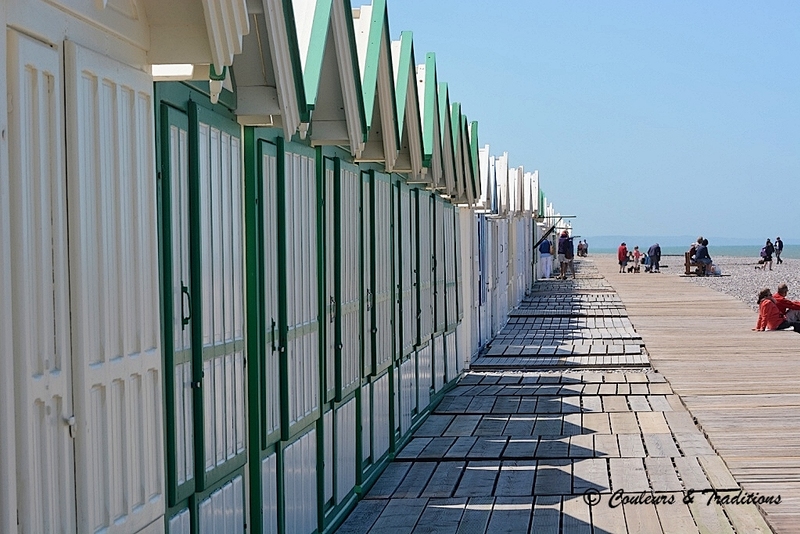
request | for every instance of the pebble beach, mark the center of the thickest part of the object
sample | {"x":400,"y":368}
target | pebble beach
{"x":740,"y":279}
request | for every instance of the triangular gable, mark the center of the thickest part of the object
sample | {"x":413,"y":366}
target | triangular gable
{"x":199,"y":32}
{"x":501,"y":179}
{"x":448,"y":154}
{"x":332,"y":104}
{"x":477,"y":190}
{"x":409,"y":158}
{"x":371,"y":26}
{"x":427,"y":85}
{"x":515,"y":189}
{"x":527,"y":197}
{"x":486,"y":169}
{"x":466,"y":158}
{"x":268,"y":74}
{"x":458,"y":154}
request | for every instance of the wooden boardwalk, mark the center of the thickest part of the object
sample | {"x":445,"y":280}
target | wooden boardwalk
{"x":743,"y":387}
{"x":551,"y":449}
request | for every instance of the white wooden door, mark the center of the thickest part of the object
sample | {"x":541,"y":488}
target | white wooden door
{"x":40,"y":288}
{"x":114,"y":294}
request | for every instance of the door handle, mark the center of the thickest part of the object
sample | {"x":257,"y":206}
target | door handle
{"x":185,"y":317}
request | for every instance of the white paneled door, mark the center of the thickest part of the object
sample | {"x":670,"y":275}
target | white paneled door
{"x":40,"y":296}
{"x":85,"y":300}
{"x":114,"y":288}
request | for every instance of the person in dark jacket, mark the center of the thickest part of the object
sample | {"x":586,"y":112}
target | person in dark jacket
{"x":778,"y":250}
{"x":654,"y":253}
{"x":566,"y":251}
{"x":701,"y":256}
{"x":766,"y":254}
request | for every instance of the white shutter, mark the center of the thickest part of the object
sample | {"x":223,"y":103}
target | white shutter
{"x":40,"y":288}
{"x":114,"y":288}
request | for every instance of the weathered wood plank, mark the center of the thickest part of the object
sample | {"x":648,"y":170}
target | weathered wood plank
{"x":546,"y":515}
{"x":389,"y":480}
{"x":478,"y":479}
{"x":510,"y":515}
{"x":553,"y":477}
{"x":516,"y":478}
{"x":628,"y":474}
{"x":662,"y":474}
{"x":444,"y":480}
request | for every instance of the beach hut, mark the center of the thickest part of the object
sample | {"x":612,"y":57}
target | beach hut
{"x":371,"y":25}
{"x":409,"y":158}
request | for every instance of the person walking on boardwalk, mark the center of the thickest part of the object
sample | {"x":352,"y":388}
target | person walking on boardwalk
{"x":654,"y":252}
{"x":622,"y":257}
{"x":565,"y":252}
{"x":778,"y":250}
{"x":788,"y":308}
{"x":769,"y":316}
{"x":546,"y":258}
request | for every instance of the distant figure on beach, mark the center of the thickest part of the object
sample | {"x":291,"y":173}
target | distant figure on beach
{"x":766,"y":254}
{"x":546,"y":258}
{"x":778,"y":250}
{"x":769,"y":316}
{"x":622,"y":257}
{"x":789,"y":308}
{"x":637,"y":258}
{"x":654,"y":252}
{"x":585,"y":248}
{"x":701,"y":256}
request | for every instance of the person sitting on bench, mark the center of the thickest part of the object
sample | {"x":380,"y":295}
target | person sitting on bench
{"x":701,"y":256}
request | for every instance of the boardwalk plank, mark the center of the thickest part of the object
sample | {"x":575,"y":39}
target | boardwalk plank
{"x":444,"y":480}
{"x":478,"y":479}
{"x":399,"y":516}
{"x":546,"y":515}
{"x":516,"y":478}
{"x":510,"y":515}
{"x":441,"y":516}
{"x":575,"y":516}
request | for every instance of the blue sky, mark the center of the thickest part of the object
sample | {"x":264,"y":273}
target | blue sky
{"x":643,"y":118}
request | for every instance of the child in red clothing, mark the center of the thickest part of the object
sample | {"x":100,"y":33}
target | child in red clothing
{"x":769,"y":316}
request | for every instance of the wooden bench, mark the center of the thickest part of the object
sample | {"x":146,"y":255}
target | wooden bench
{"x":699,"y":268}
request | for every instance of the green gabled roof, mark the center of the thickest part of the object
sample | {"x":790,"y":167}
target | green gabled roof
{"x":469,"y":169}
{"x":458,"y":152}
{"x":371,"y":25}
{"x":474,"y":162}
{"x":429,"y":108}
{"x":448,"y":154}
{"x":268,"y":73}
{"x":409,"y":122}
{"x":326,"y":26}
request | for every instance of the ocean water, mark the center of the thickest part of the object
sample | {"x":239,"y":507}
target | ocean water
{"x":789,"y":251}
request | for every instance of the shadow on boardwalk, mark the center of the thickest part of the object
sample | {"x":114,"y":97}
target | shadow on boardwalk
{"x":581,"y":440}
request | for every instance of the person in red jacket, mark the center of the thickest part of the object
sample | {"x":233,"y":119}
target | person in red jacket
{"x":622,"y":257}
{"x":789,"y":308}
{"x":769,"y":316}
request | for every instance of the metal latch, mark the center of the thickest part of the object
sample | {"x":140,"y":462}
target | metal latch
{"x":70,"y":422}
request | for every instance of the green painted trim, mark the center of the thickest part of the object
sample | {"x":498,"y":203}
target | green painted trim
{"x":474,"y":164}
{"x":304,"y":106}
{"x":254,"y":250}
{"x":198,"y":114}
{"x":455,"y":129}
{"x":316,"y":51}
{"x":166,"y":118}
{"x":431,"y":107}
{"x":405,"y":60}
